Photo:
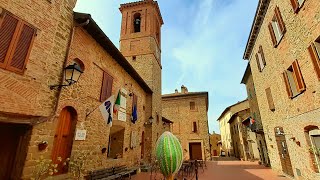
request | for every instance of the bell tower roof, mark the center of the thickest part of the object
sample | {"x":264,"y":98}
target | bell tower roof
{"x":143,"y":2}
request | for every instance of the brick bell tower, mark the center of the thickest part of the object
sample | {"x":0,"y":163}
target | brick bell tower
{"x":140,"y":43}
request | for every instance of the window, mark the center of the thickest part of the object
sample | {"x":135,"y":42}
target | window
{"x":16,"y":37}
{"x":276,"y":27}
{"x":194,"y":127}
{"x":261,"y":62}
{"x":312,"y":134}
{"x":106,"y":88}
{"x":314,"y":50}
{"x":315,"y":144}
{"x":134,"y":58}
{"x":192,"y":106}
{"x":296,"y":5}
{"x":137,"y":23}
{"x":293,"y":80}
{"x":270,"y":99}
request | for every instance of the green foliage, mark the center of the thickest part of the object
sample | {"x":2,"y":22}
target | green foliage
{"x":76,"y":164}
{"x":44,"y":168}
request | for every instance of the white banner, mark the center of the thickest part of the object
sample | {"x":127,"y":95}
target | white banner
{"x":106,"y":109}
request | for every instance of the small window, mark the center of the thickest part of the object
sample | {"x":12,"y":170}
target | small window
{"x":261,"y":62}
{"x":294,"y":80}
{"x":194,"y":127}
{"x":137,"y":23}
{"x":134,"y":58}
{"x":276,"y":27}
{"x":270,"y":99}
{"x":16,"y":37}
{"x":314,"y":50}
{"x":192,"y":105}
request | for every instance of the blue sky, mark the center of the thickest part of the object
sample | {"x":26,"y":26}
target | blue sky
{"x":202,"y":45}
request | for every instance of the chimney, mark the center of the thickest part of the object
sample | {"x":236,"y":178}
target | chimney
{"x":184,"y":89}
{"x":176,"y":91}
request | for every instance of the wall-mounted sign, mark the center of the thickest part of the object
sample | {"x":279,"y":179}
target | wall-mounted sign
{"x":81,"y":135}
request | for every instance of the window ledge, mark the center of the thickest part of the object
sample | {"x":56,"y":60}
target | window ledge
{"x":293,"y":97}
{"x":278,"y":42}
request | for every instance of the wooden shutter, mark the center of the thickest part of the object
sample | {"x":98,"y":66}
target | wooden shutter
{"x":7,"y":33}
{"x":258,"y":62}
{"x":315,"y":59}
{"x":297,"y":72}
{"x":286,"y":82}
{"x":273,"y":37}
{"x":270,"y":99}
{"x":280,"y":20}
{"x":106,"y":88}
{"x":22,"y":49}
{"x":262,"y":55}
{"x":295,"y":5}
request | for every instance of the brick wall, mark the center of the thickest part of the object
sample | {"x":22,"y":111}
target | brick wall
{"x":29,"y":93}
{"x":84,"y":98}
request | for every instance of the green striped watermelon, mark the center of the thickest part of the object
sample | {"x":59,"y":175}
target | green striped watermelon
{"x":169,"y":154}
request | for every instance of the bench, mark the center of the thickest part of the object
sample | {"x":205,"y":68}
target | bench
{"x":111,"y":173}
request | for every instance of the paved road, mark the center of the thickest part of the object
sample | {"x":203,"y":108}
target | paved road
{"x":228,"y":170}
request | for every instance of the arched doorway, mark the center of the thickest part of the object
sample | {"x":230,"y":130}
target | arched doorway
{"x":142,"y":145}
{"x":63,"y":137}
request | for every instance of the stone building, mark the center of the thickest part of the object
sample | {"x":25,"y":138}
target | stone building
{"x":257,"y":126}
{"x":39,"y":121}
{"x":189,"y":113}
{"x":33,"y":46}
{"x":283,"y":53}
{"x":224,"y":126}
{"x":215,"y":148}
{"x":243,"y":140}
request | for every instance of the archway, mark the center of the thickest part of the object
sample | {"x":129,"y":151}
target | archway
{"x":63,"y":138}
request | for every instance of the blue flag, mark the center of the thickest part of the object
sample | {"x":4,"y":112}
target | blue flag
{"x":134,"y":116}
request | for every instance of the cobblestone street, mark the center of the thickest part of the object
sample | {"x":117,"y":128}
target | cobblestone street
{"x":228,"y":170}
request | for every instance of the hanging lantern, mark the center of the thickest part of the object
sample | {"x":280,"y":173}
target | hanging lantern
{"x":169,"y":154}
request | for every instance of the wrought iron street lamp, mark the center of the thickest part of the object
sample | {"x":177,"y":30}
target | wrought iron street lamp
{"x":72,"y":74}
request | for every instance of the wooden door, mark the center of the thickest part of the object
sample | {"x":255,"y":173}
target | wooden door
{"x":63,"y":138}
{"x":195,"y":151}
{"x":215,"y":153}
{"x":13,"y":151}
{"x":142,"y":145}
{"x":283,"y":151}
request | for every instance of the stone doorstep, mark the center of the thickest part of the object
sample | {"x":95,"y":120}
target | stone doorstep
{"x":60,"y":177}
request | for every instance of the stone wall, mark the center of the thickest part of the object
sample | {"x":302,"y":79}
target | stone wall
{"x":177,"y":109}
{"x":295,"y":114}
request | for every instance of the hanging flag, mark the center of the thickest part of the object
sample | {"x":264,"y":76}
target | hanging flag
{"x":106,"y":109}
{"x":117,"y":103}
{"x":252,"y":121}
{"x":134,"y":116}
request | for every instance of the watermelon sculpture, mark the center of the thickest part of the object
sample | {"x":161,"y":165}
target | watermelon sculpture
{"x":169,"y":154}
